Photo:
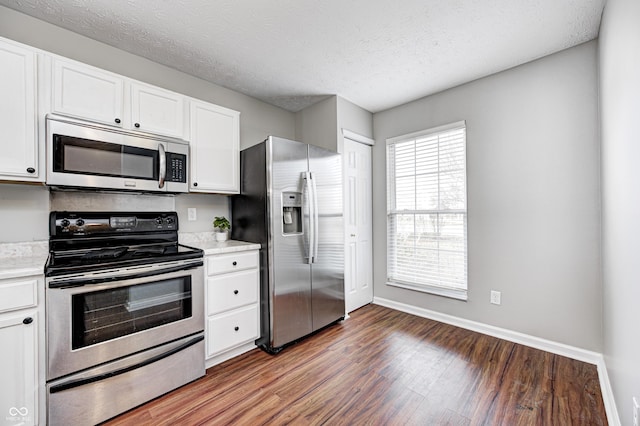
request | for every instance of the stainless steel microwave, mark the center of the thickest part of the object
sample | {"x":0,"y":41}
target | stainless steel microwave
{"x":84,"y":155}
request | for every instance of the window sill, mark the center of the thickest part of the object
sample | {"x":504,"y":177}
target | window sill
{"x":450,"y":293}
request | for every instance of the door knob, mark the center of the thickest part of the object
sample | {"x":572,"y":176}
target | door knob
{"x":353,"y":235}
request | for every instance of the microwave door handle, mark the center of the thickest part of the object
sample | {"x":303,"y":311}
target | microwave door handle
{"x":163,"y":166}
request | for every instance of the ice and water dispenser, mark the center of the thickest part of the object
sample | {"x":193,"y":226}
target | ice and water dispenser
{"x":291,"y":213}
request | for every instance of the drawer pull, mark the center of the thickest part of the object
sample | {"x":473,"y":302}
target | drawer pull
{"x":235,"y":291}
{"x":234,"y":263}
{"x":236,"y":328}
{"x":27,"y":320}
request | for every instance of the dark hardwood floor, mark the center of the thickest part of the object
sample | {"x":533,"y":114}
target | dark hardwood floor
{"x":384,"y":367}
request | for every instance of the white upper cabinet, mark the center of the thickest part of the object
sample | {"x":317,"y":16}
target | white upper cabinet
{"x":18,"y":115}
{"x":87,"y":92}
{"x":154,"y":110}
{"x":93,"y":94}
{"x":215,"y":148}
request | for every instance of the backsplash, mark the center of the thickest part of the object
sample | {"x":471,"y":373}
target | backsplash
{"x":24,"y":209}
{"x":110,"y":201}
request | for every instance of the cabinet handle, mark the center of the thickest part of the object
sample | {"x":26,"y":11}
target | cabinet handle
{"x":137,"y":124}
{"x":117,"y":120}
{"x":235,"y":291}
{"x":195,"y":183}
{"x":235,"y":263}
{"x":31,"y":170}
{"x":27,"y":320}
{"x":237,"y":328}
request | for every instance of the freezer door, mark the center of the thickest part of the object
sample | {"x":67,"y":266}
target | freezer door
{"x":290,"y":281}
{"x":327,"y":269}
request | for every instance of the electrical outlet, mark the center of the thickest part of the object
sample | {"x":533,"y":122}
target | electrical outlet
{"x":191,"y":213}
{"x":636,"y":412}
{"x":495,"y":297}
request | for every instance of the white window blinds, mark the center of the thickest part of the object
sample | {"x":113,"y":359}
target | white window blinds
{"x":427,"y":211}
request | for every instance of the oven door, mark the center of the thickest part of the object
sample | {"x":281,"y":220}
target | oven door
{"x":107,"y":315}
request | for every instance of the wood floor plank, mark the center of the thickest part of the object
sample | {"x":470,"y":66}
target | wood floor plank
{"x":384,"y":367}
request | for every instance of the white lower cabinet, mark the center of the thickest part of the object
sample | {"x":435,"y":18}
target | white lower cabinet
{"x":232,"y":304}
{"x":19,"y":360}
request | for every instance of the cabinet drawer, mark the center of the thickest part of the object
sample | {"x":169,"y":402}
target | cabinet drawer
{"x":18,"y":294}
{"x":230,"y":291}
{"x":223,"y":263}
{"x":232,"y":329}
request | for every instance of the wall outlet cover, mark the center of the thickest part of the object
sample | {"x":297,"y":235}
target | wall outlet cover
{"x":495,"y":297}
{"x":191,"y":213}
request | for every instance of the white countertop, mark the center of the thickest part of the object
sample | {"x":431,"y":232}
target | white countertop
{"x":229,"y":246}
{"x":23,"y":259}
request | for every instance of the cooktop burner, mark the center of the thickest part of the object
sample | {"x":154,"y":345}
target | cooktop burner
{"x":90,"y":241}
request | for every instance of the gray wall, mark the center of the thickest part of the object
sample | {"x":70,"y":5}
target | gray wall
{"x":619,"y":62}
{"x":353,"y":118}
{"x":24,"y":213}
{"x":533,"y":197}
{"x":257,"y":121}
{"x":317,"y":124}
{"x":321,"y":124}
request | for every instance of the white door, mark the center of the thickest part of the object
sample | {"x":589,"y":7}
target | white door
{"x":87,"y":92}
{"x":358,"y":274}
{"x":18,"y":142}
{"x":154,"y":110}
{"x":215,"y":149}
{"x":18,"y":374}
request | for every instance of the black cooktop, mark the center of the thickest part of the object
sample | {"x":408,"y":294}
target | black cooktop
{"x":89,"y":241}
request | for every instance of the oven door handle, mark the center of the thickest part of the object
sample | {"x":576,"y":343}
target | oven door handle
{"x":80,"y":382}
{"x":79,"y":282}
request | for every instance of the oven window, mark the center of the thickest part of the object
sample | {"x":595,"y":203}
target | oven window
{"x":88,"y":157}
{"x":108,"y":314}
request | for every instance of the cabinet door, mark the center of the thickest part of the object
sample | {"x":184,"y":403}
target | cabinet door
{"x":18,"y":115}
{"x":86,"y":92}
{"x":231,"y":329}
{"x":154,"y":110}
{"x":18,"y":368}
{"x":215,"y":149}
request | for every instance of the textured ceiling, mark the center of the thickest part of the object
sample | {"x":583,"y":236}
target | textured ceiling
{"x":290,"y":53}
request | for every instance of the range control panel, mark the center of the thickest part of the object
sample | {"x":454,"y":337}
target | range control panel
{"x":91,"y":223}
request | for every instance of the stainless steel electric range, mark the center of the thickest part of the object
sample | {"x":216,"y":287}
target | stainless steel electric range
{"x":124,"y":313}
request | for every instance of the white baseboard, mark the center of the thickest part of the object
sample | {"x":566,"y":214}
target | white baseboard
{"x":523,"y":339}
{"x":232,"y":353}
{"x":607,"y":393}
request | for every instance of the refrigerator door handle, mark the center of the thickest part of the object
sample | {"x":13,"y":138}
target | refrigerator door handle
{"x":311,"y":230}
{"x":314,"y":215}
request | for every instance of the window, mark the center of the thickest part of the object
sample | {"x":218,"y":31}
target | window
{"x":427,"y":211}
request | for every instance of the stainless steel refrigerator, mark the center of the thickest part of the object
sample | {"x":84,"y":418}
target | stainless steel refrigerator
{"x":291,"y":203}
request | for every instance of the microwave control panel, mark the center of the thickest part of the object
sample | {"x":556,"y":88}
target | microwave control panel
{"x":177,"y":167}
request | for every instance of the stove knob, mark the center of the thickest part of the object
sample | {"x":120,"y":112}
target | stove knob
{"x":80,"y":222}
{"x":170,"y":220}
{"x":159,"y":220}
{"x":64,"y":223}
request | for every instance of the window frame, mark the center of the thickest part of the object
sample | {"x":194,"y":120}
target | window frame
{"x":455,"y":293}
